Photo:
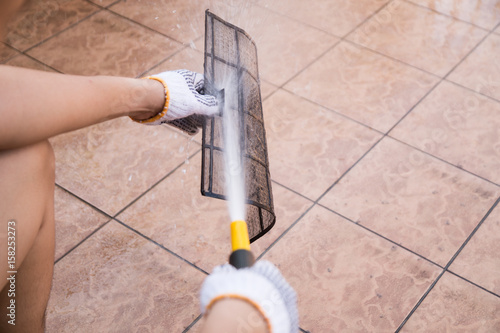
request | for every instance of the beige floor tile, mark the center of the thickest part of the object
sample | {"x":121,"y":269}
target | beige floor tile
{"x":188,"y":58}
{"x":103,"y":3}
{"x":458,"y":126}
{"x":39,"y":20}
{"x":105,"y":44}
{"x":480,"y":71}
{"x":363,"y":85}
{"x":284,"y":46}
{"x":309,"y":146}
{"x":181,"y":20}
{"x":418,"y":36}
{"x":479,"y":262}
{"x":119,"y":282}
{"x":413,"y":199}
{"x":347,"y":279}
{"x":483,"y":13}
{"x":336,"y":17}
{"x":75,"y":220}
{"x":454,"y":305}
{"x":27,"y":62}
{"x":177,"y":216}
{"x":6,"y":52}
{"x":112,"y":163}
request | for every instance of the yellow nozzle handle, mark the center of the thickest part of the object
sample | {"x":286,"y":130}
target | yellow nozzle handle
{"x":239,"y":236}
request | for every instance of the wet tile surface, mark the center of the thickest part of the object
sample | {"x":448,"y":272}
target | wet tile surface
{"x":106,"y":164}
{"x":479,"y":261}
{"x":309,"y":146}
{"x":480,"y":71}
{"x":483,"y":13}
{"x":75,"y":220}
{"x":197,"y":227}
{"x":105,"y":44}
{"x":117,"y":281}
{"x":289,"y":38}
{"x":405,"y":32}
{"x":181,"y":20}
{"x":456,"y":306}
{"x":336,"y":17}
{"x":27,"y":62}
{"x":318,"y":126}
{"x":363,"y":85}
{"x":40,"y":20}
{"x":415,"y":200}
{"x":6,"y":52}
{"x":347,"y":279}
{"x":458,"y":126}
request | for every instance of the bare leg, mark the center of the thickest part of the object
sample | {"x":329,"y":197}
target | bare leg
{"x":27,"y":197}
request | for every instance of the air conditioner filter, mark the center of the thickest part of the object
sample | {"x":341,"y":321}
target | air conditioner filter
{"x":230,"y":52}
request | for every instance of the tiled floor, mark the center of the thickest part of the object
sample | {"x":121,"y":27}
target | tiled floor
{"x":383,"y":128}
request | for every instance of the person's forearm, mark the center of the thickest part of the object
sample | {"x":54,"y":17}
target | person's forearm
{"x":36,"y":105}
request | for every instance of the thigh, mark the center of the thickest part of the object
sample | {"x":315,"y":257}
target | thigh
{"x":26,"y":186}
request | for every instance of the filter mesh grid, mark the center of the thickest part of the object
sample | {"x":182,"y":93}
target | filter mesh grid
{"x":230,"y":52}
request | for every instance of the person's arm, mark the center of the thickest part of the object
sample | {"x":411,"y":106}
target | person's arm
{"x":36,"y":105}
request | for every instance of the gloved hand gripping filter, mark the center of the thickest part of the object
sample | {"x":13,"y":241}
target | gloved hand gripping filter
{"x":231,"y":60}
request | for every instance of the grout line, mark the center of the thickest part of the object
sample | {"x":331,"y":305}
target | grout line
{"x":155,"y":184}
{"x":42,"y":63}
{"x":441,"y":80}
{"x":83,"y":240}
{"x":444,"y":161}
{"x":84,"y":201}
{"x":467,"y":55}
{"x":185,"y":47}
{"x":472,"y":90}
{"x":192,"y":324}
{"x":161,"y":246}
{"x":285,"y":232}
{"x":472,"y":233}
{"x":446,"y":15}
{"x":296,"y":20}
{"x":327,"y":50}
{"x":473,"y":283}
{"x":291,"y":190}
{"x":333,"y":111}
{"x":350,"y":168}
{"x":381,"y":236}
{"x":433,"y":284}
{"x":62,"y":31}
{"x":446,"y":268}
{"x":110,"y":10}
{"x":315,"y":202}
{"x":391,"y":58}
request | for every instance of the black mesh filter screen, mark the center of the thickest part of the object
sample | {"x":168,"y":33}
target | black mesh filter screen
{"x":230,"y":52}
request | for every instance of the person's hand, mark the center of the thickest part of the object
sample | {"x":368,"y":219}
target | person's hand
{"x":262,"y":286}
{"x":182,"y":97}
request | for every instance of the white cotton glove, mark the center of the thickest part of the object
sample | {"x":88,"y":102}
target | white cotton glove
{"x":261,"y":285}
{"x":182,"y":97}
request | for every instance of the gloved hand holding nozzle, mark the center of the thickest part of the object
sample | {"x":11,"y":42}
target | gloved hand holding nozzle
{"x":183,"y":97}
{"x":261,"y":287}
